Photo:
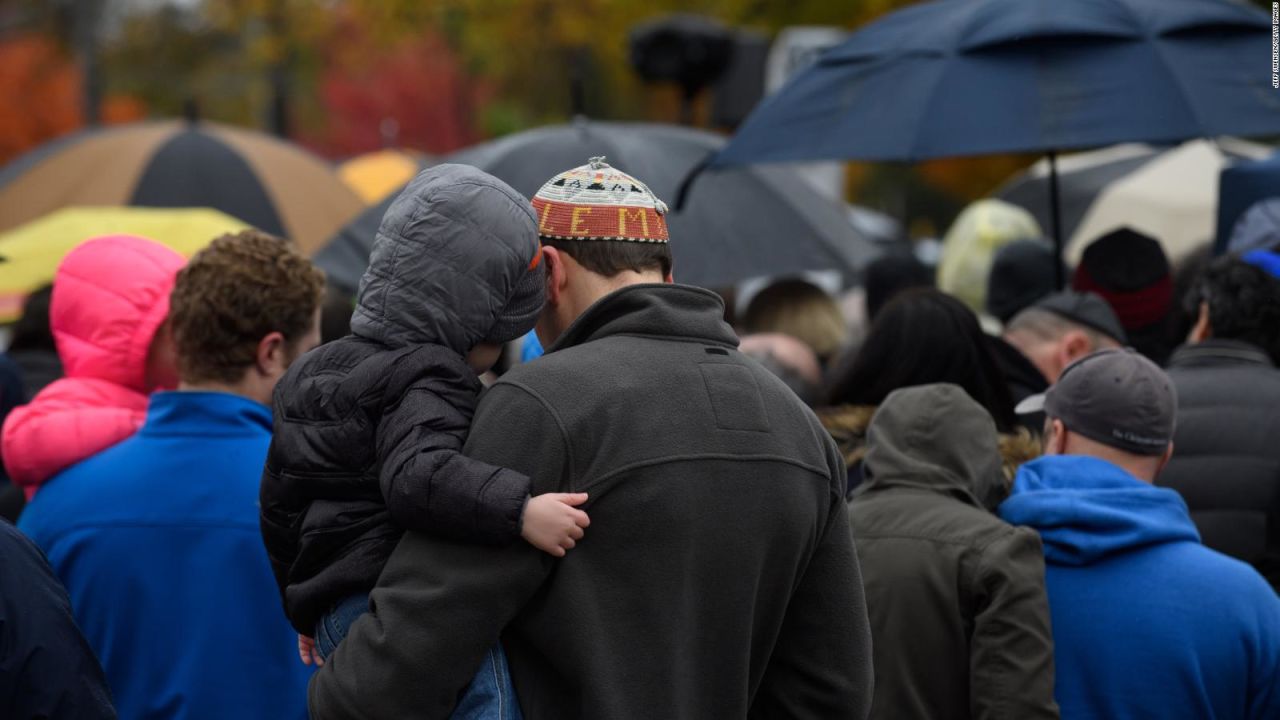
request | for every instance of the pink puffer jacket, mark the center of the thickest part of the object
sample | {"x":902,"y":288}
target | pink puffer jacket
{"x":110,"y":296}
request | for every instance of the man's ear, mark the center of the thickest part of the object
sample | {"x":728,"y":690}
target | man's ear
{"x":670,"y":277}
{"x":1073,"y":346}
{"x":557,"y":277}
{"x":1168,"y":454}
{"x":1055,"y":437}
{"x":1202,"y":330}
{"x":271,"y":353}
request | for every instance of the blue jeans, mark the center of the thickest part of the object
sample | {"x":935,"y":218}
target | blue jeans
{"x":490,"y":696}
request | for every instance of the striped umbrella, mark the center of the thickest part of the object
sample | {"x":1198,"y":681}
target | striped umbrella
{"x":373,"y":176}
{"x":1170,"y":194}
{"x":265,"y":182}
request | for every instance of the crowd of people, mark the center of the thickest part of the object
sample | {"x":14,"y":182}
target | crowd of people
{"x":240,"y":494}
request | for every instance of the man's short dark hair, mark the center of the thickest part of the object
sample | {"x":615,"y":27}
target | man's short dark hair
{"x":1244,"y":303}
{"x":611,"y":257}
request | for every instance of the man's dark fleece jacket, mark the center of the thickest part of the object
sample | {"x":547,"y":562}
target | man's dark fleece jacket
{"x":718,"y":578}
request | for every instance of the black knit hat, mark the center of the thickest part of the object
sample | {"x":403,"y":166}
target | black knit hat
{"x":1131,"y":272}
{"x":890,"y":274}
{"x":1022,"y":272}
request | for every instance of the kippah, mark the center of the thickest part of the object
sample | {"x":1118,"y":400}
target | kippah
{"x":599,"y":202}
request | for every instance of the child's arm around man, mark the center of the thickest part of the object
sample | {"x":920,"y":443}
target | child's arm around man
{"x":430,"y":486}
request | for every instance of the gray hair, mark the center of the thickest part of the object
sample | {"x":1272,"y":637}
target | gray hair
{"x":1049,"y":326}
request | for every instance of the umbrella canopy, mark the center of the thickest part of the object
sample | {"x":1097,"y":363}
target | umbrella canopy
{"x":272,"y":185}
{"x":373,"y":176}
{"x":30,"y":253}
{"x":1240,"y":188}
{"x":973,"y":77}
{"x":1168,"y":193}
{"x":874,"y":224}
{"x":734,"y":225}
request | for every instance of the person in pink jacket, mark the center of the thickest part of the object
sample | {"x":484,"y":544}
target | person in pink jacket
{"x":110,"y":303}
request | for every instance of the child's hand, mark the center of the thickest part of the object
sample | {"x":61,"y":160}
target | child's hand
{"x":307,"y":651}
{"x":552,"y":523}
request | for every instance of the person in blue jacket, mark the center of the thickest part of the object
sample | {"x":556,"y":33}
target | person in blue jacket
{"x":157,"y":538}
{"x":1147,"y":622}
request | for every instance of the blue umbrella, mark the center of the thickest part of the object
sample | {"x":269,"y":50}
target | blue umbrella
{"x":973,"y":77}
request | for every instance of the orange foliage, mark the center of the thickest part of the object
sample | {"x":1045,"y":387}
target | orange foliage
{"x":970,"y":178}
{"x":122,"y":109}
{"x":39,"y":94}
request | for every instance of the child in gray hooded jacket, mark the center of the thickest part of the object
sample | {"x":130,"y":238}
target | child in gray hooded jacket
{"x":369,"y":429}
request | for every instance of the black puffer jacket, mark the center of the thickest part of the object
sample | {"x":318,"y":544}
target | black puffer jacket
{"x":369,"y":428}
{"x":1226,"y":449}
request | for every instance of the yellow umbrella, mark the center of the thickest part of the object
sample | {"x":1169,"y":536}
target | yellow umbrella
{"x":30,"y":253}
{"x":373,"y":176}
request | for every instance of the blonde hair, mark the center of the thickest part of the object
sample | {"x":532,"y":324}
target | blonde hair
{"x":801,"y":310}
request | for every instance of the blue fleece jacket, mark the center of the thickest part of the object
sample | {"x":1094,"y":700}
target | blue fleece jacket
{"x":1147,"y":622}
{"x":157,"y":542}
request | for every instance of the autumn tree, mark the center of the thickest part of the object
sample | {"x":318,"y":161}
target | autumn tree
{"x":409,"y":92}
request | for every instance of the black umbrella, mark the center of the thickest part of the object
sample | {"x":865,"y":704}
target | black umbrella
{"x":734,"y":225}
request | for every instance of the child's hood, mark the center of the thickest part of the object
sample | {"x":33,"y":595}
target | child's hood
{"x":111,"y":295}
{"x":448,"y":254}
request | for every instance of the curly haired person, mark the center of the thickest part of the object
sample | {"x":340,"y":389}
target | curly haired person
{"x":156,"y":538}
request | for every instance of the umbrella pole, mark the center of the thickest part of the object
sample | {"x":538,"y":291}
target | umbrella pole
{"x":1055,"y":220}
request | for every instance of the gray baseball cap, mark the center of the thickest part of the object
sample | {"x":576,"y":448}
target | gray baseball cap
{"x":1116,"y":397}
{"x":1085,"y":308}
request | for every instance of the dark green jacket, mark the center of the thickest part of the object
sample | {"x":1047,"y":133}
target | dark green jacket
{"x":717,"y":579}
{"x":956,"y":596}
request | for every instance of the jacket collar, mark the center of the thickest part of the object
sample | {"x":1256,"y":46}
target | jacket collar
{"x":657,"y":310}
{"x":1016,"y":366}
{"x":1219,"y":352}
{"x":205,"y":414}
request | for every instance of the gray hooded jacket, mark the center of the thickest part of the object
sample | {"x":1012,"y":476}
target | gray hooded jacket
{"x":369,"y":429}
{"x":956,"y":597}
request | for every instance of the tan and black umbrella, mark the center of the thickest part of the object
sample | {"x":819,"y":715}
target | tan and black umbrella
{"x":265,"y":182}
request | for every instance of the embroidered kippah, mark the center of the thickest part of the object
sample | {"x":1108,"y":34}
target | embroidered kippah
{"x":599,"y":202}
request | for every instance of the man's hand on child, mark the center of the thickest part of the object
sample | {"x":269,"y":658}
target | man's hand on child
{"x":552,"y":523}
{"x":307,"y":651}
